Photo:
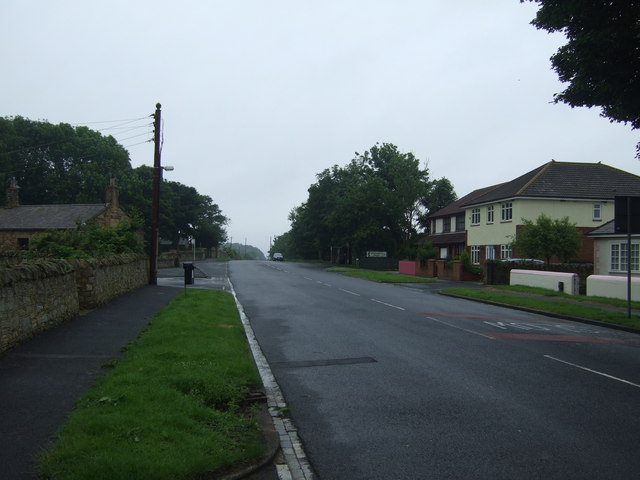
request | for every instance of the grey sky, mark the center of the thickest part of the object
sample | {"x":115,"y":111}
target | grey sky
{"x":259,"y":96}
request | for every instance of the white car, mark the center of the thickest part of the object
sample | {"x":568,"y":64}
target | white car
{"x":277,"y":257}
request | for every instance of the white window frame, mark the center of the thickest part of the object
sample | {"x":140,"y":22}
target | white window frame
{"x":618,"y":259}
{"x":475,"y":216}
{"x":505,"y":251}
{"x":475,"y":254}
{"x":506,"y":211}
{"x":490,"y":214}
{"x":597,"y":212}
{"x":490,"y":252}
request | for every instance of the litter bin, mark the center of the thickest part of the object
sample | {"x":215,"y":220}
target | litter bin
{"x":188,"y":272}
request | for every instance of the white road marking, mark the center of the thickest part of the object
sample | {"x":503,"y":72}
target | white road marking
{"x":350,"y":292}
{"x":387,"y":304}
{"x":322,"y":283}
{"x":593,"y":371}
{"x":460,"y":328}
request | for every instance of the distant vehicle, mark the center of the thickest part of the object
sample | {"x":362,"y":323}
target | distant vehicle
{"x":277,"y":257}
{"x":522,"y":260}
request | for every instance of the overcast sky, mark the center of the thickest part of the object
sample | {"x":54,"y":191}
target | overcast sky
{"x":259,"y":96}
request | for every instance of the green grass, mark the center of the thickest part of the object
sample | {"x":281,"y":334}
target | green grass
{"x":614,"y":302}
{"x":171,"y":407}
{"x":382,"y":277}
{"x":580,"y":307}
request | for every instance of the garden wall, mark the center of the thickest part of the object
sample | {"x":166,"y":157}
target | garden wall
{"x":35,"y":296}
{"x":38,"y":295}
{"x":101,"y":279}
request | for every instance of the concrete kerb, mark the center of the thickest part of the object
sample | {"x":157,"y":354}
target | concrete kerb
{"x":297,"y":466}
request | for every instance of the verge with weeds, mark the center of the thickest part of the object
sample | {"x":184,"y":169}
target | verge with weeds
{"x":172,"y":407}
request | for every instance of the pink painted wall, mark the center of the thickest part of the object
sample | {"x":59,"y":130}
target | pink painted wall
{"x":407,"y":267}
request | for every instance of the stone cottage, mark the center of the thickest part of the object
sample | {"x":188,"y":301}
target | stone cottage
{"x":19,"y":223}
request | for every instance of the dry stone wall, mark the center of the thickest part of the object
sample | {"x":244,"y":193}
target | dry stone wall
{"x":37,"y":295}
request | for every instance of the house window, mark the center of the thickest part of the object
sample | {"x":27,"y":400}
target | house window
{"x":446,"y":224}
{"x":475,"y":254}
{"x":619,"y":257}
{"x":505,"y":251}
{"x":459,"y":223}
{"x":475,"y":216}
{"x":490,"y":214}
{"x":490,"y":252}
{"x":23,"y":244}
{"x":506,"y":211}
{"x":597,"y":212}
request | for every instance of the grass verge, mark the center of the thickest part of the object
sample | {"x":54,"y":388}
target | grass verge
{"x":579,"y":307}
{"x":171,"y":408}
{"x":381,"y":277}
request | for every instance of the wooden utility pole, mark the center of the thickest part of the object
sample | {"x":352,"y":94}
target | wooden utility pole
{"x":155,"y":198}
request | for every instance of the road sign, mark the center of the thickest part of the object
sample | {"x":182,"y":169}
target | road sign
{"x":627,"y":211}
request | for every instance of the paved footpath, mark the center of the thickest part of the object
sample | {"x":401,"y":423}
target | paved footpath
{"x":41,"y":379}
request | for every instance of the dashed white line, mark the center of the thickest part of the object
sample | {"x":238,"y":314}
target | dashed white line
{"x":350,"y":292}
{"x":459,"y":328}
{"x":593,"y":371}
{"x":387,"y":304}
{"x":322,"y":283}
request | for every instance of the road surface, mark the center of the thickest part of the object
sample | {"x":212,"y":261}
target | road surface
{"x":393,"y":382}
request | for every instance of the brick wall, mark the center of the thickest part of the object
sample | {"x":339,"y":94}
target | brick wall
{"x":37,"y":295}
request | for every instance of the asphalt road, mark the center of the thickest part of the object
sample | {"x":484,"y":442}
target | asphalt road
{"x":392,"y":382}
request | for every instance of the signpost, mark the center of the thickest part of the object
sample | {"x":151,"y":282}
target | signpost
{"x":627,"y":220}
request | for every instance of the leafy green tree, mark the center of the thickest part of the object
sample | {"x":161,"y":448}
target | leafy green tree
{"x":600,"y":61}
{"x":441,"y":193}
{"x":546,"y":238}
{"x":56,"y":164}
{"x":372,"y":203}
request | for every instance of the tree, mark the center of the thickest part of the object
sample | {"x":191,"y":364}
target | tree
{"x":372,"y":203}
{"x":546,"y":238}
{"x":440,"y":194}
{"x":601,"y":61}
{"x":56,"y":164}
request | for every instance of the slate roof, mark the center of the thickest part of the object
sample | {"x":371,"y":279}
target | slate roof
{"x":571,"y":180}
{"x":456,"y":207}
{"x":606,"y":229}
{"x":43,"y":217}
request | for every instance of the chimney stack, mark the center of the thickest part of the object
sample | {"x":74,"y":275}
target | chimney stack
{"x":112,"y":197}
{"x":13,"y":194}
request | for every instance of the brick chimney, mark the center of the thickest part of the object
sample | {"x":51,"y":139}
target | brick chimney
{"x":13,"y":194}
{"x":112,"y":196}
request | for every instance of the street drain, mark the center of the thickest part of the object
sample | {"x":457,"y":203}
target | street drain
{"x":323,"y":363}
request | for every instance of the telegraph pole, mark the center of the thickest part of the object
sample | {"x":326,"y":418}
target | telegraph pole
{"x":155,"y":198}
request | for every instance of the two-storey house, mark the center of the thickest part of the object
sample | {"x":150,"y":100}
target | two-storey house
{"x":584,"y":192}
{"x":448,"y":226}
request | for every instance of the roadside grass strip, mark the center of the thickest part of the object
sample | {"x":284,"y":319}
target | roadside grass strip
{"x":380,"y":277}
{"x":172,"y":407}
{"x":568,"y":306}
{"x":614,"y":302}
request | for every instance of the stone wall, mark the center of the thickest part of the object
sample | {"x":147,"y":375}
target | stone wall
{"x":99,"y":280}
{"x":35,"y":296}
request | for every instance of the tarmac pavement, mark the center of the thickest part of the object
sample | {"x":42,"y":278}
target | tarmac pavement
{"x":41,"y":379}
